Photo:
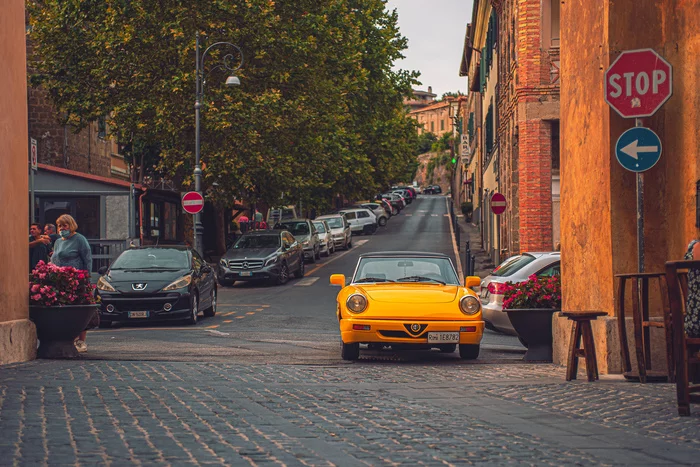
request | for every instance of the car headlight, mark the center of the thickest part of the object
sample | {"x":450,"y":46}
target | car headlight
{"x":306,"y":243}
{"x":102,"y":284}
{"x":270,"y":261}
{"x":223,"y":262}
{"x":469,"y":305}
{"x":356,"y":303}
{"x":184,"y":281}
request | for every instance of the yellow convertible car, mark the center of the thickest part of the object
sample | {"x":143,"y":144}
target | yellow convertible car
{"x":408,"y":299}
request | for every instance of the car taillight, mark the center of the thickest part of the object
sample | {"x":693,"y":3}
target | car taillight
{"x":496,"y":288}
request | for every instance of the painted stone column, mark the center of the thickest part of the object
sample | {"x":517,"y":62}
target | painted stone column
{"x":598,"y":210}
{"x":17,"y":333}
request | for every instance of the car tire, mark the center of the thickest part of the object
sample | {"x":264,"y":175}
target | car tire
{"x":447,"y":348}
{"x":394,"y":211}
{"x":211,"y":311}
{"x":331,"y":250}
{"x":349,"y":245}
{"x":381,"y":221}
{"x":327,"y":253}
{"x":283,"y":276}
{"x":523,"y":342}
{"x":469,"y":351}
{"x":299,"y":273}
{"x":313,"y":258}
{"x":194,"y":311}
{"x":349,"y":351}
{"x":226,"y":282}
{"x":104,"y":324}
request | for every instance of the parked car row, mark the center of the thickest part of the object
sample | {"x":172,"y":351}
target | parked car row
{"x":432,"y":190}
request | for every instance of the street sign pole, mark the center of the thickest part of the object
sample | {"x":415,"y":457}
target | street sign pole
{"x":640,"y":213}
{"x":32,"y":169}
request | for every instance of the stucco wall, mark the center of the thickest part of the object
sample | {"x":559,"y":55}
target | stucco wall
{"x":17,"y":334}
{"x":598,"y":211}
{"x":117,"y":217}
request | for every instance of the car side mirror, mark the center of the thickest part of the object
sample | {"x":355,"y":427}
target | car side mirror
{"x":338,"y":279}
{"x":102,"y":271}
{"x":472,"y":281}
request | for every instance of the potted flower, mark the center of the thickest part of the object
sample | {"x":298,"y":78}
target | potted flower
{"x":530,"y":306}
{"x":61,"y":305}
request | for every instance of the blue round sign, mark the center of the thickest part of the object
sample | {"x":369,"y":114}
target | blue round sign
{"x":638,"y":149}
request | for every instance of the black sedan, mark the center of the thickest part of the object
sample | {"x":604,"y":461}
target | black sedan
{"x":156,"y":284}
{"x":270,"y":255}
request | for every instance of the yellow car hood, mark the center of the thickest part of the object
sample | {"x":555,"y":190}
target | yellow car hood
{"x":411,"y":293}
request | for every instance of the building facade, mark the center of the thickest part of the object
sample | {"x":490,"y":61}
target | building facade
{"x":598,"y":215}
{"x":420,"y":99}
{"x":434,"y":118}
{"x":527,"y":40}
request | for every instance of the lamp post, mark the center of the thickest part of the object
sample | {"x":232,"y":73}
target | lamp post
{"x":227,"y":62}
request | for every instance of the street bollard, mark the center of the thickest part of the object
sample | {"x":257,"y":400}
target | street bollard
{"x":467,"y":262}
{"x":473,"y":265}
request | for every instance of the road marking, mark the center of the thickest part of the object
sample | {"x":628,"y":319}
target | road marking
{"x":435,"y":215}
{"x":240,"y":317}
{"x":212,"y":327}
{"x":356,"y":243}
{"x":228,"y":321}
{"x":408,"y":214}
{"x":460,"y":271}
{"x":307,"y":281}
{"x":250,"y":313}
{"x":229,"y":313}
{"x":258,"y":309}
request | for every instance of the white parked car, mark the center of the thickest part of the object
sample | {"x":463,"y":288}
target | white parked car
{"x":378,"y":210}
{"x":326,"y":237}
{"x":515,"y":269}
{"x":340,"y":230}
{"x":362,"y":220}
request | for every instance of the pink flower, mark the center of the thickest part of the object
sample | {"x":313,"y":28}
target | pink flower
{"x":35,"y":288}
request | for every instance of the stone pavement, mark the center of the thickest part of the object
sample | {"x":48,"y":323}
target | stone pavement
{"x":365,"y":413}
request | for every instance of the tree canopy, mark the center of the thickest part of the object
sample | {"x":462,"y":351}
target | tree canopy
{"x":319,"y":110}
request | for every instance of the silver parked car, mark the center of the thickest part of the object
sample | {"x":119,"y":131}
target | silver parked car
{"x":340,"y":230}
{"x":305,"y":233}
{"x":326,"y":237}
{"x":515,"y":269}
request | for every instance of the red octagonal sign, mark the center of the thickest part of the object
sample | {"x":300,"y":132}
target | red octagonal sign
{"x":498,"y":203}
{"x":192,"y":202}
{"x":638,"y":83}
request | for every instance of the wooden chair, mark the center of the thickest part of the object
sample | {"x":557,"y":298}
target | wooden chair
{"x":642,"y":325}
{"x":686,"y":350}
{"x":581,"y":329}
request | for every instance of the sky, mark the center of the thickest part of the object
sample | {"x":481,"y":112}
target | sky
{"x":435,"y":31}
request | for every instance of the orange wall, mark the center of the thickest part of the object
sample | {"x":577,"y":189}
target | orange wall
{"x":13,"y":163}
{"x":598,"y":210}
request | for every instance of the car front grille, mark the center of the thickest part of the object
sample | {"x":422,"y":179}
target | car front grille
{"x":397,"y":334}
{"x":239,"y":264}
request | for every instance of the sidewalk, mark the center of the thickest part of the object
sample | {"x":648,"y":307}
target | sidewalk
{"x":157,"y":413}
{"x":470,"y":232}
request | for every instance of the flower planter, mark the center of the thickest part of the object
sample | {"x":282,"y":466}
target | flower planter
{"x":534,"y":326}
{"x":58,"y":326}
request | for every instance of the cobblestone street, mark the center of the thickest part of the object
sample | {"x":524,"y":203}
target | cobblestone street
{"x":146,"y":413}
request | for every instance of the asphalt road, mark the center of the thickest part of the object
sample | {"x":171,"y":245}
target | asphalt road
{"x":295,"y":323}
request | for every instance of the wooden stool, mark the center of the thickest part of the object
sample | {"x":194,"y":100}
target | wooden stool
{"x":582,"y":329}
{"x":642,"y":324}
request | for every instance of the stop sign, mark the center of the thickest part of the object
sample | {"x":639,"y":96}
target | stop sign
{"x":498,"y":203}
{"x":192,"y":202}
{"x":637,"y":83}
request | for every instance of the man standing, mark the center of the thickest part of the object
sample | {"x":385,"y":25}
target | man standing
{"x":38,"y":246}
{"x":50,"y":231}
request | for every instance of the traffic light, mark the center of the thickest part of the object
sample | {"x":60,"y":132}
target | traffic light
{"x":454,"y":160}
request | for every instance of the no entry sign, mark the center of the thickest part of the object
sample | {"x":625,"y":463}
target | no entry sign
{"x":498,"y":203}
{"x":638,"y":83}
{"x":192,"y":202}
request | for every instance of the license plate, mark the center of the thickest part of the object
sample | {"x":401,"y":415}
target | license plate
{"x":246,"y":273}
{"x":443,"y":337}
{"x":138,"y":314}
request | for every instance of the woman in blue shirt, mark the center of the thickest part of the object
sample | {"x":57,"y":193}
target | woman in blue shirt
{"x":72,"y":249}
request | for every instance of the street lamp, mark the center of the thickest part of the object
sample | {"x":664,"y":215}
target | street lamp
{"x":227,"y":62}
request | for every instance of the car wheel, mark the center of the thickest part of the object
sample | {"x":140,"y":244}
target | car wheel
{"x":382,"y":221}
{"x":104,"y":324}
{"x":349,"y":245}
{"x":328,"y":252}
{"x":523,"y":342}
{"x":313,"y":258}
{"x":284,"y":274}
{"x":211,"y":311}
{"x":226,"y":282}
{"x":469,"y":351}
{"x":349,"y":351}
{"x":299,"y":273}
{"x":447,"y":348}
{"x":394,"y":211}
{"x":332,"y":249}
{"x":194,"y":311}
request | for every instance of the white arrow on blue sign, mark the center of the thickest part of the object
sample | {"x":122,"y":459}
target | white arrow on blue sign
{"x":638,"y":149}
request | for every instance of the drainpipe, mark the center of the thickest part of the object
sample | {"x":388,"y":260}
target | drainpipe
{"x":145,"y":189}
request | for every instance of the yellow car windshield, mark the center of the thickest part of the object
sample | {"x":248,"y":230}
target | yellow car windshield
{"x":405,"y":269}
